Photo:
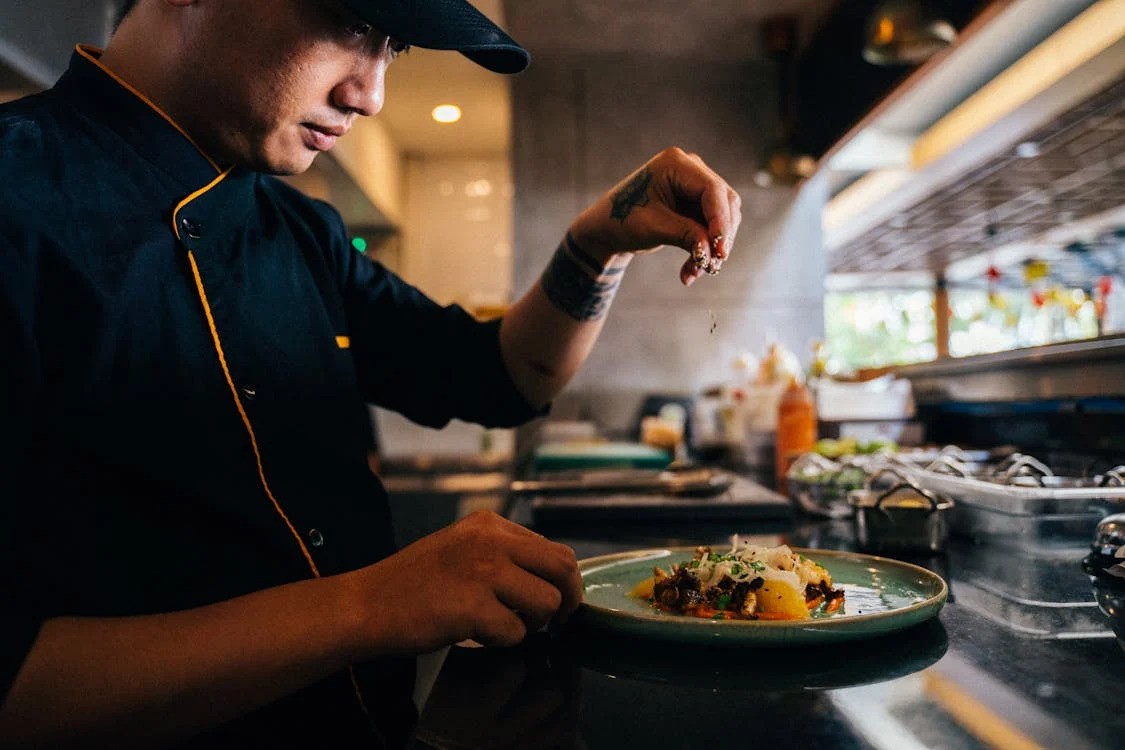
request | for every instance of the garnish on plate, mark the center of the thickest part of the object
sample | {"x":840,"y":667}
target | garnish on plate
{"x":749,"y":582}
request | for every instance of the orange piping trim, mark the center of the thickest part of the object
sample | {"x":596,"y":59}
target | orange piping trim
{"x":175,"y":212}
{"x":245,"y":417}
{"x":344,"y":342}
{"x":258,"y":455}
{"x":88,"y":52}
{"x":258,"y":459}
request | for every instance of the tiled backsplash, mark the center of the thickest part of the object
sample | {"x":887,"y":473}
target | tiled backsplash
{"x":576,"y":135}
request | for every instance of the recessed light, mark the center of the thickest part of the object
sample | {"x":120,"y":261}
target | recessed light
{"x":478,"y":188}
{"x":446,"y":113}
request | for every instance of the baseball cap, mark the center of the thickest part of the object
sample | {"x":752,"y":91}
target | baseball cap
{"x":445,"y":24}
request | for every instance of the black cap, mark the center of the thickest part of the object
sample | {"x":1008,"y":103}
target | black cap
{"x":445,"y":24}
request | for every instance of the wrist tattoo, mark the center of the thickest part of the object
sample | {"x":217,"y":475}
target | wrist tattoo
{"x":577,"y":284}
{"x":633,"y":194}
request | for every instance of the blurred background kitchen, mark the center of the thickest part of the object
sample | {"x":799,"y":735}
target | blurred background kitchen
{"x":933,"y":233}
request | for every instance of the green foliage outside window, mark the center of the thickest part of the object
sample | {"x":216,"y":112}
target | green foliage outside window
{"x":878,"y":327}
{"x":882,"y":327}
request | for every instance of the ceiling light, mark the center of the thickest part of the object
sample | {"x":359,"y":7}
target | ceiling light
{"x":478,"y":188}
{"x":906,"y":32}
{"x":446,"y":113}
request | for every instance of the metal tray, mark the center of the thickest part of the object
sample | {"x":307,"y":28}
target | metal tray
{"x":1023,"y":515}
{"x":1035,"y":594}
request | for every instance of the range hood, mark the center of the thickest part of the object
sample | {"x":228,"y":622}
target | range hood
{"x":1027,"y":100}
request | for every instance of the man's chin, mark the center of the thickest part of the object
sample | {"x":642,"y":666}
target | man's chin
{"x":293,"y":165}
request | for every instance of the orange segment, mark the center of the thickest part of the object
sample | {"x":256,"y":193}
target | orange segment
{"x":777,"y":598}
{"x":643,"y":590}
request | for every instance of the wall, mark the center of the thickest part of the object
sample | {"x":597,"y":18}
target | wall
{"x":457,"y":238}
{"x":456,"y":247}
{"x":35,"y":43}
{"x":580,"y":125}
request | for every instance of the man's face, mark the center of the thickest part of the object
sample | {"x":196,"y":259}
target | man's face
{"x":275,"y":82}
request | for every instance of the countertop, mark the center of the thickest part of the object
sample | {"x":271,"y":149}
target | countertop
{"x":1020,"y":656}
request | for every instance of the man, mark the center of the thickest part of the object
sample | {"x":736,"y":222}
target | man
{"x":194,"y":550}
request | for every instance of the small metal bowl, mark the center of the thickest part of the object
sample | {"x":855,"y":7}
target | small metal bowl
{"x":904,"y":518}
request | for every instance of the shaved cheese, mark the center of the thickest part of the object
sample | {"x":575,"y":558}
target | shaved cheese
{"x":746,"y":561}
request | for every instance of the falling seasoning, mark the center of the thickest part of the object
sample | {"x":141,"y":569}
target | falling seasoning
{"x":714,"y":319}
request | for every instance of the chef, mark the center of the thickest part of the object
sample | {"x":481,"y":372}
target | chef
{"x":194,"y":550}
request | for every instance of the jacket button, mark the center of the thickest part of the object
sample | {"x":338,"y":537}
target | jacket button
{"x":316,"y":539}
{"x":192,"y":229}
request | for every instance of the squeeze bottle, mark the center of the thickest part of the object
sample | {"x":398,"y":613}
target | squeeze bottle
{"x":796,"y":429}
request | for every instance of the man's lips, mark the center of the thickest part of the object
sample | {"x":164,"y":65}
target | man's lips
{"x":320,"y":137}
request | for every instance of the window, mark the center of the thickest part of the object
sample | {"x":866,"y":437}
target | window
{"x":879,"y":327}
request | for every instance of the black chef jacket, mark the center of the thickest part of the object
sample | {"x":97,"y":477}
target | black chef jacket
{"x":187,"y":352}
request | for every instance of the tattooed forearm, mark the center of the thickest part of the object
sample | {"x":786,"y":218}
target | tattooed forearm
{"x":634,"y":193}
{"x":577,"y":284}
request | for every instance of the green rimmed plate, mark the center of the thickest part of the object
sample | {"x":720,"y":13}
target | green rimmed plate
{"x":881,"y":596}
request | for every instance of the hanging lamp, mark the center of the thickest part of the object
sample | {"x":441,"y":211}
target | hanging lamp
{"x":906,"y":32}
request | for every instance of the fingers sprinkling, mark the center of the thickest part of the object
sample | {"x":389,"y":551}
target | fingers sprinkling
{"x":717,"y":248}
{"x":699,"y":256}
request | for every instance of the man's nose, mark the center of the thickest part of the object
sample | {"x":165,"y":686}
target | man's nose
{"x":362,"y":90}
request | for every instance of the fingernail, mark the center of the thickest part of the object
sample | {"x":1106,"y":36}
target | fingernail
{"x":717,"y":245}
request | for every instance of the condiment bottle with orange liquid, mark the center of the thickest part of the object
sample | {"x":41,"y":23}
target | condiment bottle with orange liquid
{"x":796,"y":428}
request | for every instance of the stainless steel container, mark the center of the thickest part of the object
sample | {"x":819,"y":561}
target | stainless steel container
{"x":1035,"y":511}
{"x":904,"y":518}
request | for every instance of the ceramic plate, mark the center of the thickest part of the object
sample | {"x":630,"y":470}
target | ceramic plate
{"x":881,"y":596}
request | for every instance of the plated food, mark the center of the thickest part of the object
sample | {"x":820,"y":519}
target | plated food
{"x":883,"y":596}
{"x":749,"y":582}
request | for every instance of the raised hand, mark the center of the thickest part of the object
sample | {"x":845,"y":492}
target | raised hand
{"x":674,"y":199}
